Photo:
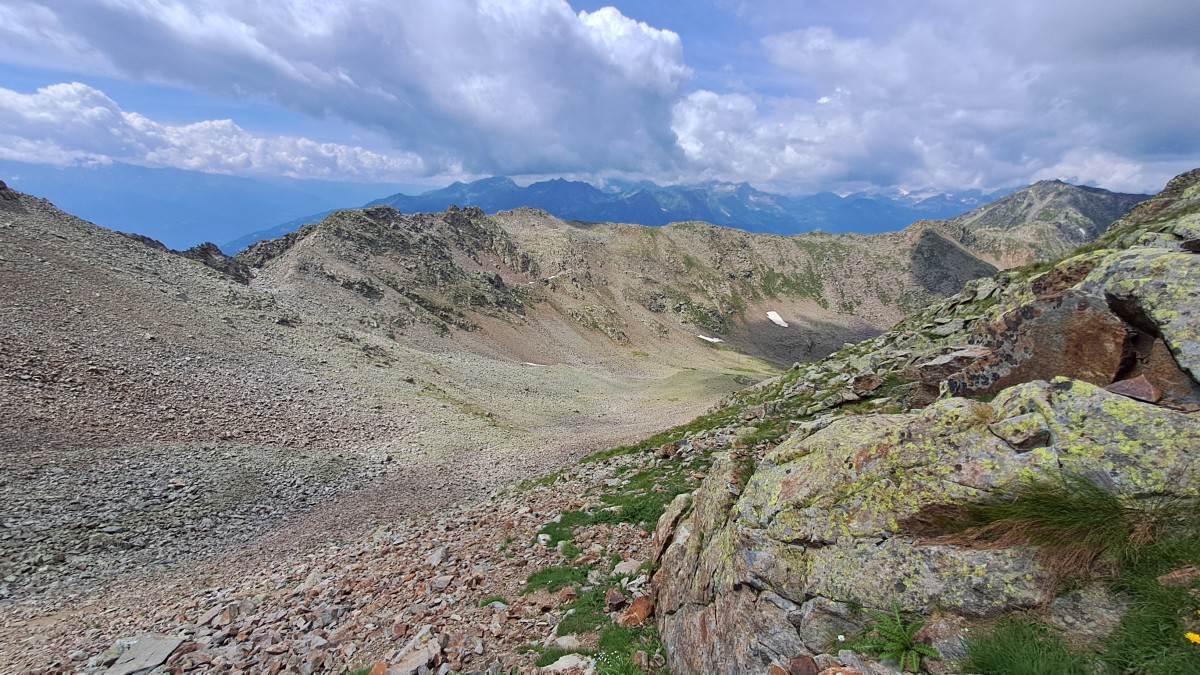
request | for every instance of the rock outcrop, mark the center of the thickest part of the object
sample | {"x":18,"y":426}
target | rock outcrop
{"x":1093,"y":369}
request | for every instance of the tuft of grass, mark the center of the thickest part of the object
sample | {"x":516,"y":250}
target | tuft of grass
{"x":894,"y":637}
{"x":1016,"y":647}
{"x":1073,"y":521}
{"x":555,"y":578}
{"x":493,"y":598}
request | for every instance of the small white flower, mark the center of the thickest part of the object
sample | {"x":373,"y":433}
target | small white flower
{"x":841,"y":638}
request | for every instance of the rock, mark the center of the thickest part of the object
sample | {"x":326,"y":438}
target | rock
{"x":1138,"y":388}
{"x":627,"y":568}
{"x":208,"y":254}
{"x":437,"y":557}
{"x":821,"y":517}
{"x":933,"y":370}
{"x":572,"y":664}
{"x":664,"y":530}
{"x":641,"y":609}
{"x":802,"y":665}
{"x":420,"y":651}
{"x":1068,"y":334}
{"x":1089,"y":613}
{"x":568,"y":594}
{"x":614,"y":600}
{"x":1157,"y":290}
{"x":143,"y":655}
{"x":567,"y":642}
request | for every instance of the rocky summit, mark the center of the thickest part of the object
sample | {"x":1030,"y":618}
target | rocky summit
{"x":391,"y":443}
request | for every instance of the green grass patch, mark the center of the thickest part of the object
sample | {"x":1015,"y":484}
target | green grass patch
{"x":1023,"y":647}
{"x":588,"y":615}
{"x":493,"y":598}
{"x":555,"y":578}
{"x":539,"y":482}
{"x":1073,"y":521}
{"x":551,"y":655}
{"x":1151,"y":635}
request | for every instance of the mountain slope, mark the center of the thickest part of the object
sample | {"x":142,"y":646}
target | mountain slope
{"x":855,"y":484}
{"x":1045,"y":221}
{"x":487,"y":279}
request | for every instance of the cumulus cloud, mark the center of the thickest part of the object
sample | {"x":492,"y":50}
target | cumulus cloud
{"x":971,"y":95}
{"x":936,"y":93}
{"x":508,"y":86}
{"x":77,"y":124}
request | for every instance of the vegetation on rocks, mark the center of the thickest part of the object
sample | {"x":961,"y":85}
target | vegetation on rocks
{"x":875,"y":480}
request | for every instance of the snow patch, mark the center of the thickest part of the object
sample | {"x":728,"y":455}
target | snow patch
{"x":709,"y":339}
{"x":776,"y":319}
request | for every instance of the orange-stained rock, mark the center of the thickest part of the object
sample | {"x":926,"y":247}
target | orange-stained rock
{"x":641,"y":609}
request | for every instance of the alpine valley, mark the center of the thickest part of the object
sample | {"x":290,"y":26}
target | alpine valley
{"x":486,"y":439}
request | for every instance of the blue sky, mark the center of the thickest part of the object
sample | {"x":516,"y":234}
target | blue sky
{"x":792,"y":96}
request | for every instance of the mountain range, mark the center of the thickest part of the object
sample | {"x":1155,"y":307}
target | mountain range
{"x":727,"y":204}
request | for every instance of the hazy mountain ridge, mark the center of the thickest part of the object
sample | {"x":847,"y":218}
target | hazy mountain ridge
{"x":735,"y":205}
{"x":178,"y":207}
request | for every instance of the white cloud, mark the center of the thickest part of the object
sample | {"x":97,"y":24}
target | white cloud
{"x":76,"y":124}
{"x":501,"y":85}
{"x":938,"y":93}
{"x":969,"y":95}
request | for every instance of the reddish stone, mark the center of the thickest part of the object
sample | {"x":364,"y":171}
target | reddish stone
{"x":568,"y":594}
{"x":1138,"y":388}
{"x":380,"y":668}
{"x":637,"y":614}
{"x":1163,"y":372}
{"x":1069,"y":334}
{"x":803,"y":665}
{"x":613,"y":600}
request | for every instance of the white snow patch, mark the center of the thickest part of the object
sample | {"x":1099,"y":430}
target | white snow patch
{"x":705,"y":337}
{"x":778,"y":320}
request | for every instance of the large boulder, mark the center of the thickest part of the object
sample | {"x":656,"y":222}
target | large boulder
{"x":755,"y":579}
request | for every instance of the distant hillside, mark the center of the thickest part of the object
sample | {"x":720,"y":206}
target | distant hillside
{"x":1045,"y":221}
{"x":644,"y":203}
{"x":640,"y":286}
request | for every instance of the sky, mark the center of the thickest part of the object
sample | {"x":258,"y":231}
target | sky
{"x":793,"y":96}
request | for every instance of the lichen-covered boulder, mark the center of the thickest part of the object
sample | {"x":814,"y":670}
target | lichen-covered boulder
{"x":759,"y":574}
